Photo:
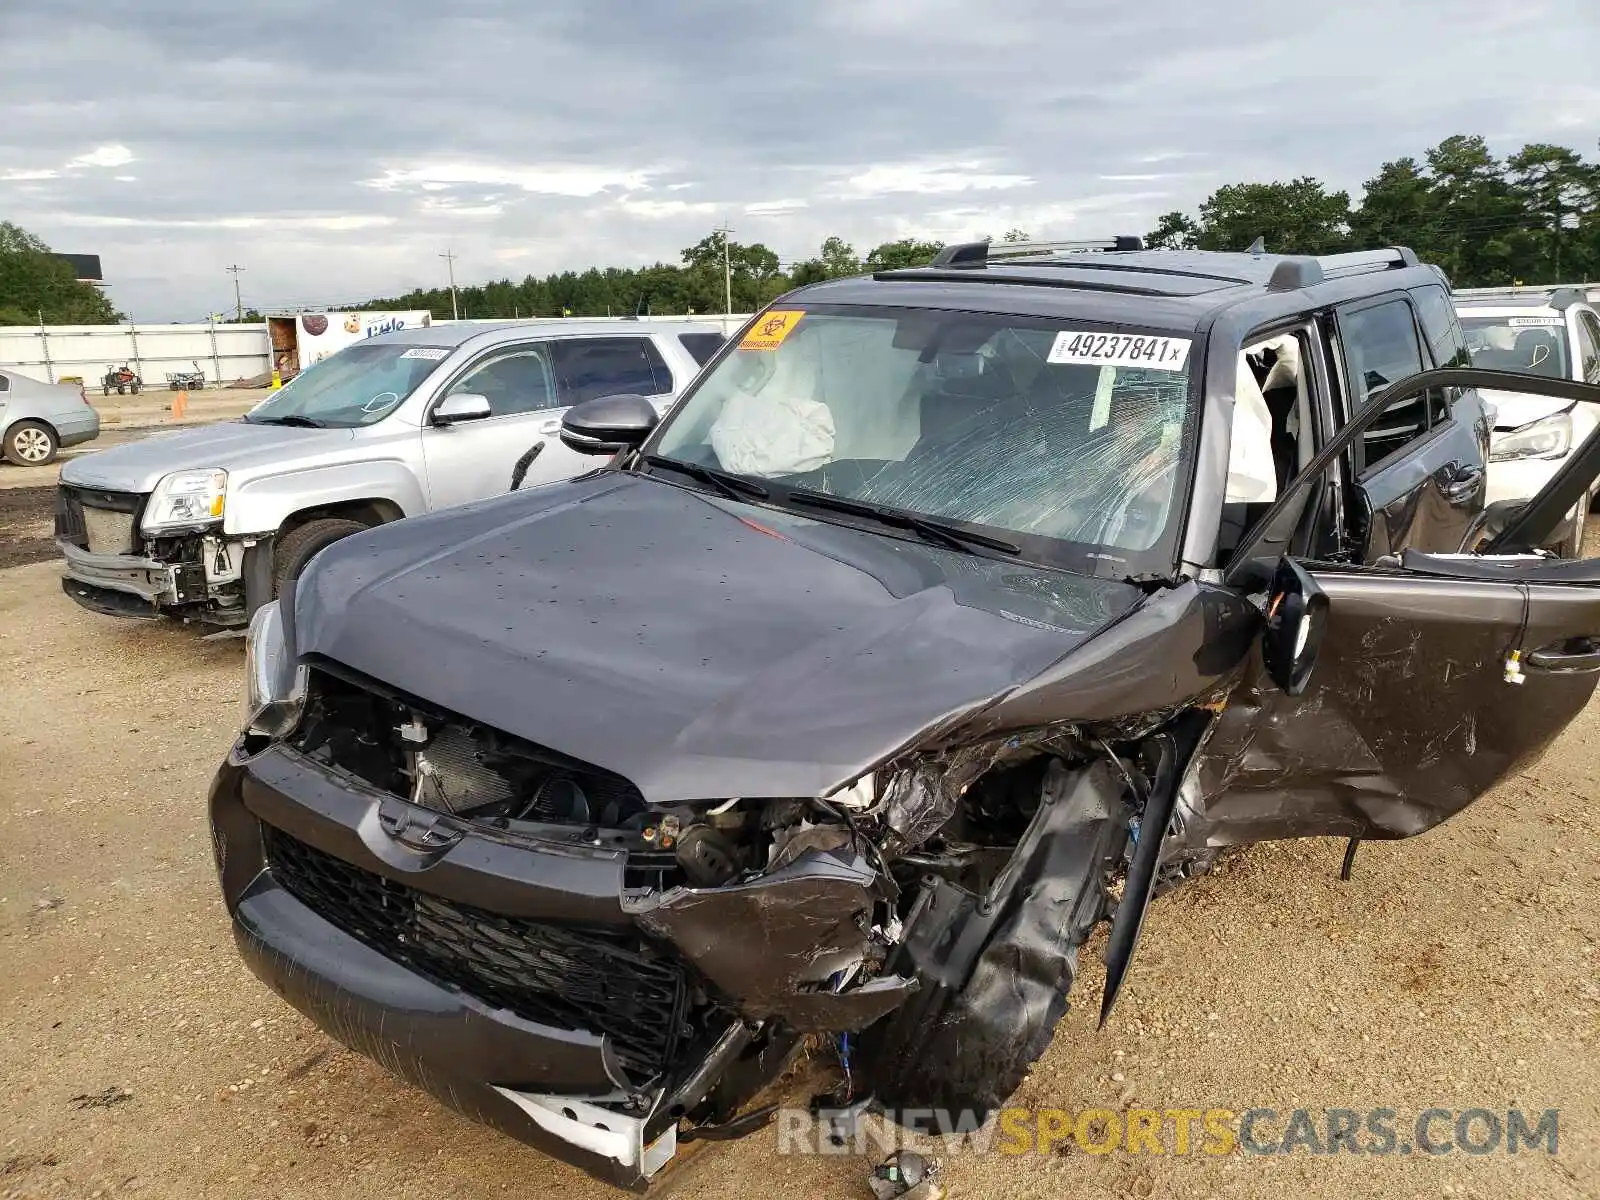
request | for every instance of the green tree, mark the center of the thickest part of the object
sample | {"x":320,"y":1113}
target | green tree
{"x":1556,"y":188}
{"x":1399,"y":207}
{"x":1174,"y":231}
{"x":908,"y":252}
{"x":36,"y":285}
{"x":1481,"y":227}
{"x":1298,"y":217}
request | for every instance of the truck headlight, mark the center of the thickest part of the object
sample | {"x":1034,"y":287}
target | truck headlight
{"x":1548,"y":438}
{"x":185,"y":499}
{"x":275,"y":686}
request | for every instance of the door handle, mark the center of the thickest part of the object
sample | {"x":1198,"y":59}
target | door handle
{"x":1571,"y":656}
{"x":550,"y":427}
{"x":1459,"y":482}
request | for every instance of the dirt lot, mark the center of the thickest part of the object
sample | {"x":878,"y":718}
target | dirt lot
{"x":1458,"y":969}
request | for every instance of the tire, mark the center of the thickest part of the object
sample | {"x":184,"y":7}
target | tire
{"x":301,"y":544}
{"x":121,"y":390}
{"x":105,"y":389}
{"x":135,"y":387}
{"x":30,"y":444}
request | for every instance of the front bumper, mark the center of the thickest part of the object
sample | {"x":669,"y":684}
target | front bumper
{"x":130,"y":585}
{"x":1522,"y":479}
{"x":565,"y":1091}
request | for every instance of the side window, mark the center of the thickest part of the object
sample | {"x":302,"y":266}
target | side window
{"x":1589,"y":345}
{"x":1447,"y":344}
{"x":1442,"y":328}
{"x":701,"y":345}
{"x":5,"y":384}
{"x":1380,"y":348}
{"x":591,"y":367}
{"x":520,"y":381}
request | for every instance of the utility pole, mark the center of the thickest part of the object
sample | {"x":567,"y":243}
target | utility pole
{"x":727,"y":272}
{"x":450,"y":259}
{"x":238,"y":302}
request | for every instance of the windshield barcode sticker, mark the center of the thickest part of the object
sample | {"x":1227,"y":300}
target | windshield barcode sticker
{"x":1526,"y":322}
{"x":431,"y":353}
{"x":1148,"y":351}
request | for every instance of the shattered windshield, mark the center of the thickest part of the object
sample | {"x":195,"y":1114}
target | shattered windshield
{"x":1062,"y":437}
{"x":359,"y":385}
{"x":1532,"y":344}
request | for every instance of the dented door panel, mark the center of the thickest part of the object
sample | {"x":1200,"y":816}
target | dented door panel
{"x":1408,"y":717}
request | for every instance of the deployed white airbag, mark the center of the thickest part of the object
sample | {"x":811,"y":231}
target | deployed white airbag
{"x":778,"y":429}
{"x":1252,"y":474}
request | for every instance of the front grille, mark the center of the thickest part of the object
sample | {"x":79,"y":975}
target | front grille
{"x":571,"y":978}
{"x":100,"y":522}
{"x":69,"y":518}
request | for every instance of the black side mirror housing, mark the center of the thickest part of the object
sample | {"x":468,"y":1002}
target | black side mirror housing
{"x":1297,"y":618}
{"x":608,"y":424}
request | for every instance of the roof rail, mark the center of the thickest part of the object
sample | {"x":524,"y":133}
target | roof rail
{"x":1303,"y":271}
{"x":977,"y":254}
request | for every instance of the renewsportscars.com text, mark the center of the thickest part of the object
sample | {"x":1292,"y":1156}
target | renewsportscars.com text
{"x":1177,"y":1131}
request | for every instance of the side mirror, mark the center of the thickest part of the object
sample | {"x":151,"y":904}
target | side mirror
{"x":1297,"y":617}
{"x":462,"y":406}
{"x":608,"y":424}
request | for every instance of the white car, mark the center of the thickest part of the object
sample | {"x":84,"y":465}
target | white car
{"x":1545,"y":332}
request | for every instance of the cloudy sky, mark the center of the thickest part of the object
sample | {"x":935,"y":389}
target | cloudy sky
{"x":336,"y":149}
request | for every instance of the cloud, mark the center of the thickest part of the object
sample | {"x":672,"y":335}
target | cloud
{"x":103,"y":156}
{"x":336,"y":223}
{"x":570,"y":134}
{"x":775,"y":208}
{"x":657,"y":210}
{"x":930,"y":179}
{"x":549,"y":181}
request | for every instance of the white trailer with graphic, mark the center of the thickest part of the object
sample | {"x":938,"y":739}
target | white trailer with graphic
{"x":301,"y":339}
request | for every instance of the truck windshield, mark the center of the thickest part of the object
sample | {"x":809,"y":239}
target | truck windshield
{"x":359,"y":385}
{"x":1062,"y":437}
{"x":1534,"y":345}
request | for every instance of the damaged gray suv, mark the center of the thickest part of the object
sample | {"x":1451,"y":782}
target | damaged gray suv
{"x":952,"y":611}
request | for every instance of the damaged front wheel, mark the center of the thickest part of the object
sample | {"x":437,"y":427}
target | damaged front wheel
{"x":996,"y":968}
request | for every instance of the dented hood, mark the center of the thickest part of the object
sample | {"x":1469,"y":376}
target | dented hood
{"x":699,"y":647}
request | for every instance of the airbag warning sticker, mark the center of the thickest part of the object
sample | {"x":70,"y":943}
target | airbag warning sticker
{"x":770,"y":329}
{"x":1147,"y":351}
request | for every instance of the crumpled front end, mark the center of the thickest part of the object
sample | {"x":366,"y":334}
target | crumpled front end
{"x":111,"y":566}
{"x":522,"y":935}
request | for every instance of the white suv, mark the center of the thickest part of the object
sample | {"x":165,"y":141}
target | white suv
{"x":1546,"y":332}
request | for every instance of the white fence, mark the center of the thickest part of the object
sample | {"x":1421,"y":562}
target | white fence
{"x":222,"y":353}
{"x":50,"y":352}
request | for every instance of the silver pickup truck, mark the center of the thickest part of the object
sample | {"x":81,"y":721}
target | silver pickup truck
{"x":204,"y":523}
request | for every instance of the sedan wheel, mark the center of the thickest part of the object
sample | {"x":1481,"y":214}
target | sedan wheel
{"x":30,"y":444}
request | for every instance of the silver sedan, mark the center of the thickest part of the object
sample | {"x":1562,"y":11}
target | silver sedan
{"x":37,"y":419}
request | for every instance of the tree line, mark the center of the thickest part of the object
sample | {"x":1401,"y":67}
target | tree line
{"x":1532,"y":217}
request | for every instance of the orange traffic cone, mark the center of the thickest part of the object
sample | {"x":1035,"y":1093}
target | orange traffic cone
{"x":180,"y":404}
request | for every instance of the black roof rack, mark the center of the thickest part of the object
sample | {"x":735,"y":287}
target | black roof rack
{"x":978,"y":254}
{"x":1303,"y":272}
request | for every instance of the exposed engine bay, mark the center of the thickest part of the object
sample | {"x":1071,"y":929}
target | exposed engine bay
{"x":900,"y":891}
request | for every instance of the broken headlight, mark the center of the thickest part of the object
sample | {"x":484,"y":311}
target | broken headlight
{"x":275,"y":686}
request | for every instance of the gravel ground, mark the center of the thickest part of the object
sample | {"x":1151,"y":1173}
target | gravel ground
{"x":1458,"y":969}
